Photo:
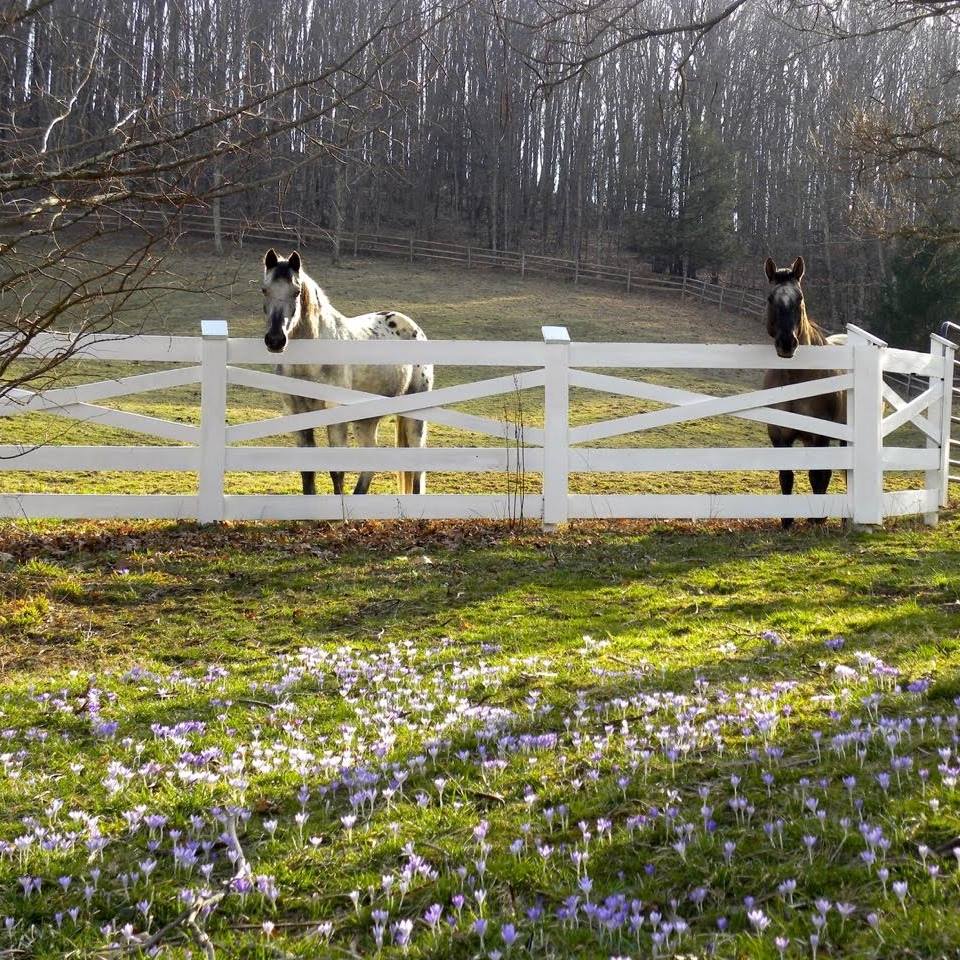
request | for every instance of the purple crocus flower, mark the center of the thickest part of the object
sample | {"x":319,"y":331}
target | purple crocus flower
{"x":401,"y":931}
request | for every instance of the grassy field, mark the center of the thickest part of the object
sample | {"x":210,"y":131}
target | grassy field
{"x":470,"y":741}
{"x":462,"y":741}
{"x":450,"y":304}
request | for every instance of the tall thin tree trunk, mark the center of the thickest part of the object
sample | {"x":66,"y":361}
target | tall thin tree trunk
{"x":339,"y":190}
{"x":217,"y":231}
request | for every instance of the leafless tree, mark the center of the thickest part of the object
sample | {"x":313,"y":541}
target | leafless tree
{"x":601,"y":128}
{"x":153,"y":108}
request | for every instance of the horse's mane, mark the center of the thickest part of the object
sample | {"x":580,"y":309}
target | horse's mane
{"x":810,"y":332}
{"x":315,"y":306}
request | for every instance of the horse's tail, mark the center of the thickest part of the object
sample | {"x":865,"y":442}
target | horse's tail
{"x":402,"y":475}
{"x":411,"y":433}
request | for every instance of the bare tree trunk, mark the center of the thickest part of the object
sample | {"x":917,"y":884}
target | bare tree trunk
{"x":217,"y":232}
{"x":339,"y":191}
{"x":492,"y":205}
{"x":828,"y":253}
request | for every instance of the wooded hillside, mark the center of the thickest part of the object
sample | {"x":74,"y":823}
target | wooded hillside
{"x":699,"y":136}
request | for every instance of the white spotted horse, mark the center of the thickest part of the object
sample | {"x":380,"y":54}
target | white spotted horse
{"x":297,"y":309}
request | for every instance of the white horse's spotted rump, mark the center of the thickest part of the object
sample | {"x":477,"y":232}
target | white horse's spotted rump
{"x":296,"y":308}
{"x":389,"y":323}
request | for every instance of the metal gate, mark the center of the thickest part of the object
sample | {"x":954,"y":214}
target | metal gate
{"x":951,"y":331}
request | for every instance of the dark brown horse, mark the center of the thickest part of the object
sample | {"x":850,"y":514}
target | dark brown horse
{"x":789,"y":326}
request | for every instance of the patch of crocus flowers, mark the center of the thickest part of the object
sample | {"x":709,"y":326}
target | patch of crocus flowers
{"x":424,"y":798}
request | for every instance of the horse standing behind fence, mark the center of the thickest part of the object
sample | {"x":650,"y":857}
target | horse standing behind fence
{"x":789,"y":326}
{"x":296,"y":309}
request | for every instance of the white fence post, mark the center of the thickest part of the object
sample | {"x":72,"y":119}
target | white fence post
{"x":556,"y":426}
{"x":213,"y":420}
{"x":939,"y":416}
{"x":865,"y":489}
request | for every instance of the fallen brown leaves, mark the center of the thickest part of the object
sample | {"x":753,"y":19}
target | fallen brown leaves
{"x":324,"y":539}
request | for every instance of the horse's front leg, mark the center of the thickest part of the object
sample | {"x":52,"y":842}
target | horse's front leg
{"x":819,"y":479}
{"x":366,"y":434}
{"x":305,"y":439}
{"x":337,"y":437}
{"x":784,"y":442}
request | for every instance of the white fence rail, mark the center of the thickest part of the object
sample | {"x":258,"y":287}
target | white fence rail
{"x":215,"y":361}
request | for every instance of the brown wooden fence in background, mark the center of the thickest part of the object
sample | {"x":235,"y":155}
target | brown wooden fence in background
{"x":291,"y":229}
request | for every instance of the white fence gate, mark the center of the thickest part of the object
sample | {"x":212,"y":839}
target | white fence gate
{"x":556,"y":450}
{"x":950,"y":329}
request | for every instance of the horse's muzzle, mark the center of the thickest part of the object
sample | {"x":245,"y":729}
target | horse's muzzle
{"x":786,"y":350}
{"x":275,"y":342}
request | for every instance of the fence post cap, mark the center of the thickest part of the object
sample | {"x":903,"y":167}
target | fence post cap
{"x":214,"y":329}
{"x":555,"y":335}
{"x":943,"y":341}
{"x":855,"y":331}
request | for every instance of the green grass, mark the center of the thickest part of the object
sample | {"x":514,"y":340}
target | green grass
{"x":450,"y":304}
{"x":524,"y":684}
{"x":414,"y":631}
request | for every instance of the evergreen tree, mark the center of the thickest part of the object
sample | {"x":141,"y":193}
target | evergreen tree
{"x":690,"y":225}
{"x":705,"y":229}
{"x":922,"y":291}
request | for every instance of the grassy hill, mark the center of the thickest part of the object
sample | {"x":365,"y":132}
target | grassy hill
{"x":450,"y":303}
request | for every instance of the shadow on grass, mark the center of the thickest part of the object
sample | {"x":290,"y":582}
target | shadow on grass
{"x":643,"y":864}
{"x":657,"y":591}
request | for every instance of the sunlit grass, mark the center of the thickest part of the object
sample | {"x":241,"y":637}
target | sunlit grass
{"x":448,"y":643}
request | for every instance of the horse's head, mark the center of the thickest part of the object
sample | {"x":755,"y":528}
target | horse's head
{"x":281,"y":298}
{"x":785,"y":310}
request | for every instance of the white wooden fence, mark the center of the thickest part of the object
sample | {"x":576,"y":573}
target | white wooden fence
{"x":556,"y":450}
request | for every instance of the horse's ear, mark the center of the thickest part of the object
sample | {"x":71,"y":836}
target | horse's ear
{"x":270,"y":259}
{"x":771,"y":268}
{"x":295,"y":262}
{"x":798,"y":269}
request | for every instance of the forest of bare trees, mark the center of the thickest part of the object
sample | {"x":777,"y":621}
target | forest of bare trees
{"x":696,"y":135}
